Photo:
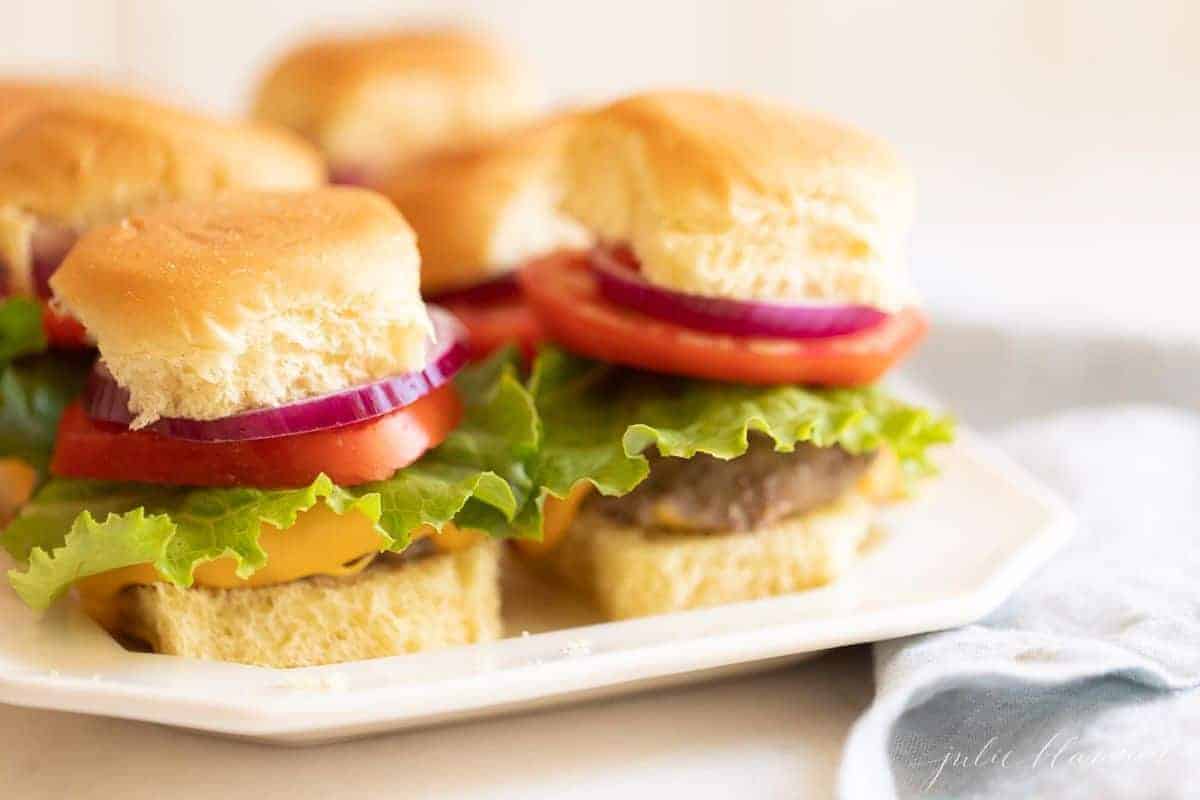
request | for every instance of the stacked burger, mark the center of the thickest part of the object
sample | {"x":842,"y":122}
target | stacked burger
{"x":246,"y":476}
{"x":710,"y":430}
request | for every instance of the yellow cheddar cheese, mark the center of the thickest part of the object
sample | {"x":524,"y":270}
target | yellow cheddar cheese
{"x":557,"y":518}
{"x":16,"y":484}
{"x":884,"y":481}
{"x":321,"y":542}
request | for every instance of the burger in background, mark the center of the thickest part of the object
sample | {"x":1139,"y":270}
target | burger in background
{"x":372,"y":101}
{"x":480,"y":213}
{"x":75,"y":157}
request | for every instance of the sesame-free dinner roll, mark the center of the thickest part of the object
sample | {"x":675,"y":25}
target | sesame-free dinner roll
{"x":207,"y":309}
{"x":370,"y":101}
{"x":726,"y":196}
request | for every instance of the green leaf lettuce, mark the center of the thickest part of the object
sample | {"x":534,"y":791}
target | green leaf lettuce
{"x":575,"y":420}
{"x":598,"y":419}
{"x":477,"y":477}
{"x":21,"y":331}
{"x":34,"y":391}
{"x":35,"y":386}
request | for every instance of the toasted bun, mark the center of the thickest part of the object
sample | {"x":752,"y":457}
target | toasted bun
{"x":370,"y":101}
{"x":630,"y":573}
{"x":480,"y":211}
{"x":387,"y":610}
{"x":729,"y":197}
{"x":203,"y":310}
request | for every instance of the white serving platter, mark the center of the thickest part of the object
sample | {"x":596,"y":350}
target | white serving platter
{"x":945,"y":559}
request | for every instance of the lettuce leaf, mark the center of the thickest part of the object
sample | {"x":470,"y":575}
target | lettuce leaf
{"x":575,"y":420}
{"x":21,"y":331}
{"x":34,"y":391}
{"x":45,"y":521}
{"x":598,"y":419}
{"x":35,"y":386}
{"x":478,"y":477}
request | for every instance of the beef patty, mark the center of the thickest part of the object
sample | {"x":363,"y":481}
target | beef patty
{"x":705,"y":494}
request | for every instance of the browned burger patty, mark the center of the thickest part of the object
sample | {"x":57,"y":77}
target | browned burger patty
{"x":706,"y":494}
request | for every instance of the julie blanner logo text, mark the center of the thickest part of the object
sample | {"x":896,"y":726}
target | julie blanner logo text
{"x":1061,"y":751}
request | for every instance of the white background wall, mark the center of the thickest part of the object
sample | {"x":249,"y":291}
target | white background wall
{"x":1057,"y":142}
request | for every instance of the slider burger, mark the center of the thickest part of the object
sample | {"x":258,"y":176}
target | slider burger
{"x":710,"y":430}
{"x":80,"y":157}
{"x":270,"y":426}
{"x":480,"y":213}
{"x":370,"y":102}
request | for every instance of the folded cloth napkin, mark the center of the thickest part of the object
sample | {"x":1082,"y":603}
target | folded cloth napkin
{"x":1083,"y":684}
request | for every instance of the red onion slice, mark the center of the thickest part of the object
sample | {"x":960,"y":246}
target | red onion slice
{"x":620,"y":283}
{"x":106,"y":401}
{"x":350,"y":175}
{"x":50,"y":246}
{"x":503,"y":288}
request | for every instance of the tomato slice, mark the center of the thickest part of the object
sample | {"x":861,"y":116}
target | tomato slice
{"x":563,"y":292}
{"x":350,"y":455}
{"x":494,"y":323}
{"x":63,"y":332}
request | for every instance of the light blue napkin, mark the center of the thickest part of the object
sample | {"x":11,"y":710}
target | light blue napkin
{"x":1082,"y":685}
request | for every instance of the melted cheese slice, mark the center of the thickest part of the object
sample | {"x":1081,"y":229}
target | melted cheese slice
{"x":16,"y":485}
{"x":884,"y":481}
{"x":321,"y":542}
{"x":557,"y":518}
